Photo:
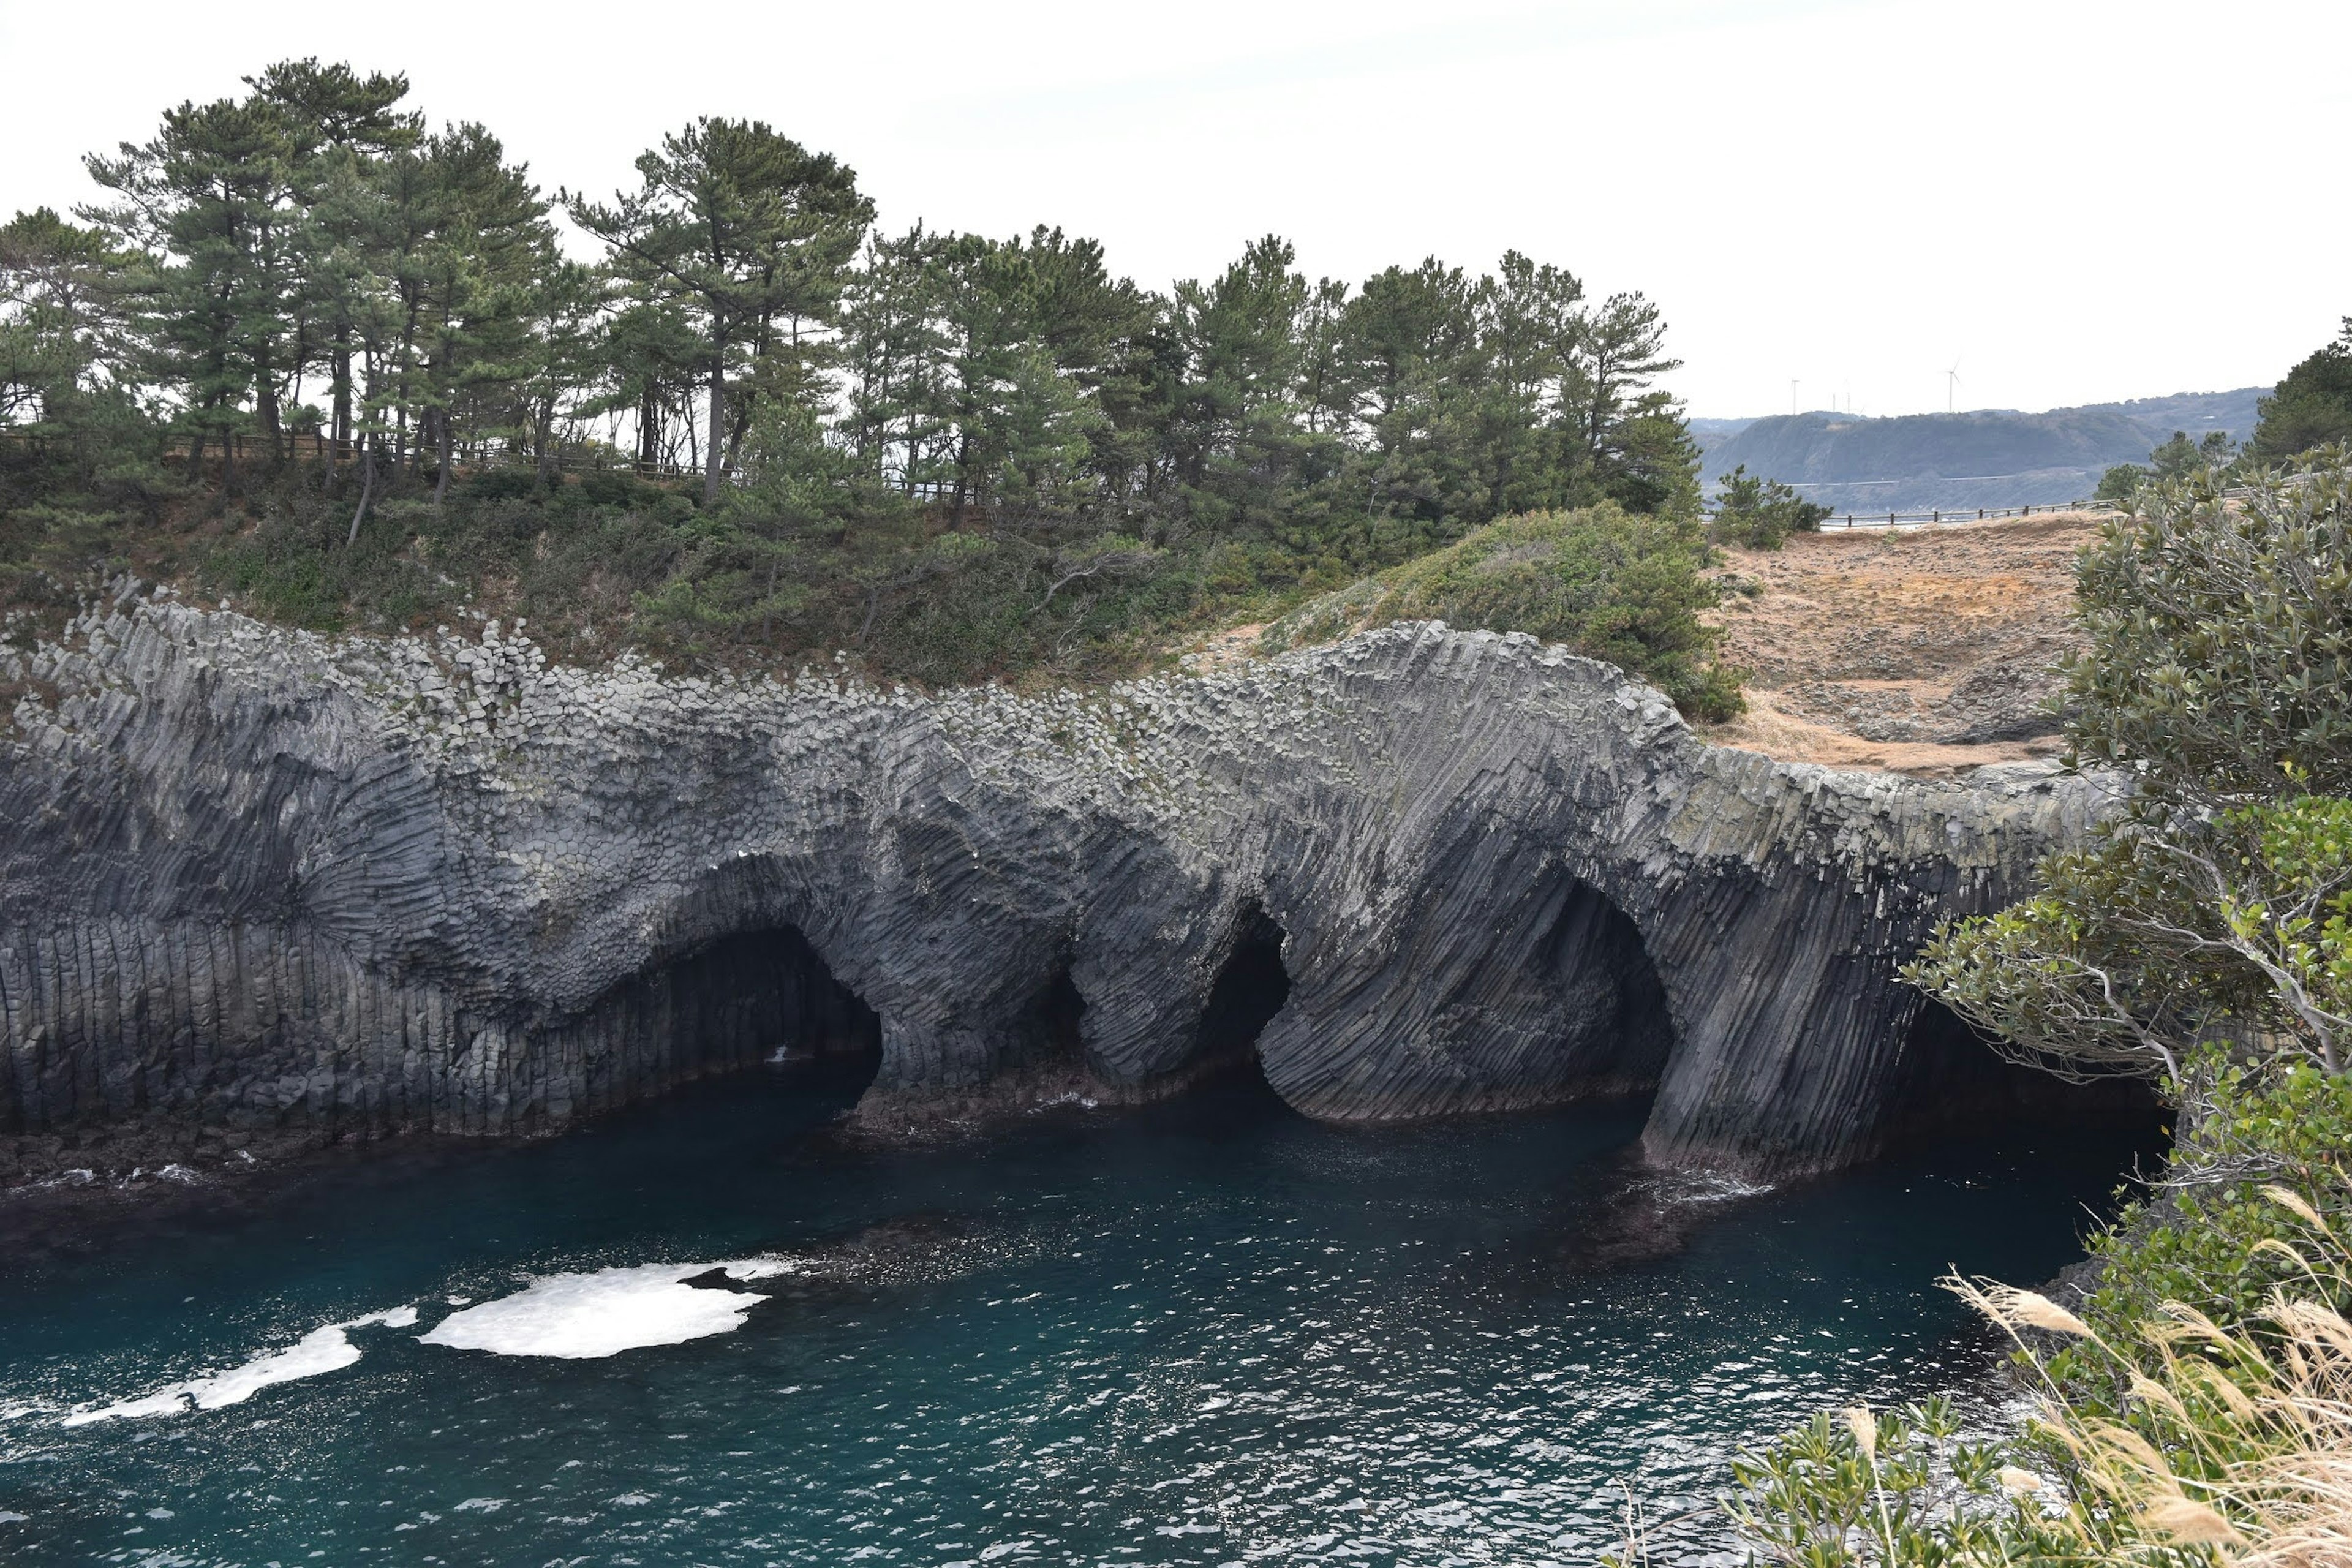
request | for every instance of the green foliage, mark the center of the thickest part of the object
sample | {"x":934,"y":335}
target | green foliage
{"x":2311,"y":408}
{"x":2176,"y":460}
{"x":2221,"y":638}
{"x":747,"y":233}
{"x":2217,"y":683}
{"x":2121,"y":482}
{"x":2210,"y":1237}
{"x":2158,"y":937}
{"x":2195,"y":1409}
{"x":1899,"y":1489}
{"x":1611,"y":585}
{"x":313,"y":306}
{"x":2181,"y":457}
{"x":2163,"y":1432}
{"x":1760,"y":513}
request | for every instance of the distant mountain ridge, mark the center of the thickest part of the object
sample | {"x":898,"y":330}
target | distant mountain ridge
{"x":1988,"y":457}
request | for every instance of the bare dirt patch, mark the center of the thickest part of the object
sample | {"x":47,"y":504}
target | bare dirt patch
{"x":1927,"y":651}
{"x":1223,"y":649}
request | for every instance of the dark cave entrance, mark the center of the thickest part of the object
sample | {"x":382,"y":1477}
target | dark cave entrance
{"x":1597,"y":978}
{"x":1251,"y":987}
{"x":759,"y":996}
{"x":1954,"y":1084}
{"x":1052,"y":1027}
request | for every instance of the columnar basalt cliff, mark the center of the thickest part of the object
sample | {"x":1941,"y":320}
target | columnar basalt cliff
{"x":255,"y":877}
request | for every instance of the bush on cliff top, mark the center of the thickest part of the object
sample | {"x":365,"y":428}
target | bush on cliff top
{"x":1611,"y":585}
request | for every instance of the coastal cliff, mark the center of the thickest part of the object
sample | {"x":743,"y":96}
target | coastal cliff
{"x":256,"y":878}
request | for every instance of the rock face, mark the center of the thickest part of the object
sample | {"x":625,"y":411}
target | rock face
{"x":256,"y":879}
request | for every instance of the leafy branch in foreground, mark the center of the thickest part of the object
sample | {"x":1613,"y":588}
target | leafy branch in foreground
{"x":2217,"y":694}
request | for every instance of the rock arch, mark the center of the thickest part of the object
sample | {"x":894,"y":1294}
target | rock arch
{"x":1522,"y":986}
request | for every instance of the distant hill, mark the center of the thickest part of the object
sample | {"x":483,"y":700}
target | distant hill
{"x":1988,"y":458}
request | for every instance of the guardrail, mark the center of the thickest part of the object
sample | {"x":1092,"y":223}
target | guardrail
{"x":1944,"y":517}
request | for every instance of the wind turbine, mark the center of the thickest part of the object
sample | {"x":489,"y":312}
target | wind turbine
{"x":1951,"y":388}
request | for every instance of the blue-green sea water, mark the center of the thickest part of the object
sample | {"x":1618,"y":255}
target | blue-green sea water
{"x":1209,"y":1333}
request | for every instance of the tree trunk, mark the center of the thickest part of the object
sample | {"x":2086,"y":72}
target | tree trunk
{"x":711,"y":455}
{"x":963,"y":465}
{"x":367,"y":494}
{"x":272,"y":428}
{"x":342,"y":397}
{"x":427,"y":421}
{"x":441,"y":485}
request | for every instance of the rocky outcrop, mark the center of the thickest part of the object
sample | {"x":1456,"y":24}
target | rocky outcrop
{"x":258,"y":879}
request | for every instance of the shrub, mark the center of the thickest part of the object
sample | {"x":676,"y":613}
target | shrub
{"x":2218,"y":688}
{"x":2121,"y":482}
{"x":2312,"y":407}
{"x":1760,"y":513}
{"x":2198,"y":1408}
{"x":1611,"y":585}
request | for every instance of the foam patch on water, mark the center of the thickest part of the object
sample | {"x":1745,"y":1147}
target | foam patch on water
{"x":585,"y":1316}
{"x":1701,"y":1186}
{"x":328,"y":1349}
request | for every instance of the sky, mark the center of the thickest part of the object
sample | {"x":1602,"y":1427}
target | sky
{"x":2068,"y":201}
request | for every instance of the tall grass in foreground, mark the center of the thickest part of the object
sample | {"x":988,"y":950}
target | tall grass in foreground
{"x":2216,"y":1446}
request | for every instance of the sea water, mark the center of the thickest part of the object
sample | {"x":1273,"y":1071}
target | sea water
{"x":713,"y":1330}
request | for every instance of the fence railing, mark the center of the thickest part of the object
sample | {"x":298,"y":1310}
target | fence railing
{"x":1943,"y":516}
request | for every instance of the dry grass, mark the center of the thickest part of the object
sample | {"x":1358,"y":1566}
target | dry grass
{"x":1869,"y":649}
{"x":2237,"y":1441}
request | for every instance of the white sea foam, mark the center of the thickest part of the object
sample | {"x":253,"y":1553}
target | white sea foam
{"x":1701,"y":1186}
{"x":328,"y":1349}
{"x":582,"y":1315}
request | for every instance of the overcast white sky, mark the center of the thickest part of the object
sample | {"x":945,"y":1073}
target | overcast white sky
{"x":2077,"y":200}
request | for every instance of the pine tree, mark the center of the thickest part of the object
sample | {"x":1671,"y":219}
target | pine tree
{"x":742,"y":228}
{"x":212,"y":197}
{"x":2312,"y":407}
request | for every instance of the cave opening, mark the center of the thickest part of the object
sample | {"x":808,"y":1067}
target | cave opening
{"x":759,"y":997}
{"x":1251,"y":987}
{"x":1956,"y":1085}
{"x":1598,"y":980}
{"x":1054,"y":1024}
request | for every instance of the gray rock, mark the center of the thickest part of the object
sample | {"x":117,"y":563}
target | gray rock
{"x":256,"y":878}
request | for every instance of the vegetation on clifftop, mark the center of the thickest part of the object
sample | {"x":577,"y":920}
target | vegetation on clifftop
{"x":304,"y":353}
{"x":1610,"y":586}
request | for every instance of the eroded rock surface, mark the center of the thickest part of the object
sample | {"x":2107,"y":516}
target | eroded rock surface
{"x":258,"y":879}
